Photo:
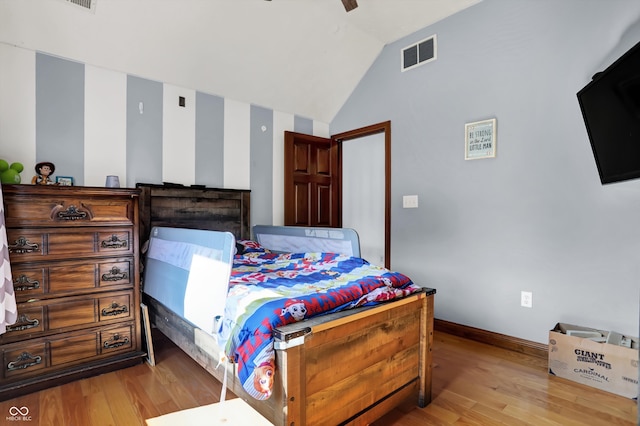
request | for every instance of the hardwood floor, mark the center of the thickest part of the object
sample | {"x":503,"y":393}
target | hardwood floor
{"x":473,"y":384}
{"x":478,"y":384}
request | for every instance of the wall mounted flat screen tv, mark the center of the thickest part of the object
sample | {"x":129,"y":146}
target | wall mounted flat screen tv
{"x":610,"y":106}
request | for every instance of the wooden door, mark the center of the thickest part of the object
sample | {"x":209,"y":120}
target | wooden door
{"x":312,"y":178}
{"x":308,"y":195}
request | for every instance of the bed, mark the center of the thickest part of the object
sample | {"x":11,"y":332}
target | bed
{"x":370,"y":359}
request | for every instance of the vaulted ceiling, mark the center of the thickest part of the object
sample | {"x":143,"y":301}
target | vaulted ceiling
{"x":296,"y":56}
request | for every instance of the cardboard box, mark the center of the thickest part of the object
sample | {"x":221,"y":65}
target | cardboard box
{"x":591,"y":361}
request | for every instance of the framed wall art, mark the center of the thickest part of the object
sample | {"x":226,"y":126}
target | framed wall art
{"x":480,"y":139}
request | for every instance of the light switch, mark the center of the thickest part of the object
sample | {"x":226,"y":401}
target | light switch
{"x":409,"y":201}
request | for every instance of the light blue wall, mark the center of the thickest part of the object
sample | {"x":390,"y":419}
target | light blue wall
{"x":534,"y":218}
{"x":261,"y":166}
{"x":59,"y":116}
{"x":303,"y":125}
{"x":144,"y":131}
{"x":209,"y":140}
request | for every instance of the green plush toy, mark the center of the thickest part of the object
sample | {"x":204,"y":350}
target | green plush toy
{"x":10,"y":173}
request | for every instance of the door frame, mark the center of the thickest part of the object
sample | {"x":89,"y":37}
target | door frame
{"x":373,"y":129}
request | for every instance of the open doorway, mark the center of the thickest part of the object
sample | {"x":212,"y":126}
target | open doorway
{"x":363,"y":193}
{"x":312,"y":201}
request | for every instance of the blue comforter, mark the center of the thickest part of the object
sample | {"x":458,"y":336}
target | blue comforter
{"x":268,"y":290}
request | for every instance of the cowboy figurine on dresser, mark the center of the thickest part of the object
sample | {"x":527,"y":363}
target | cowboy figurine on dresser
{"x":44,"y":174}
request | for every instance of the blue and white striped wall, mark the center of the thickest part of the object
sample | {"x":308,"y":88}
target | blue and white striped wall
{"x":93,"y":122}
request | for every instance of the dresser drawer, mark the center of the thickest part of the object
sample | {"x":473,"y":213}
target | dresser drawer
{"x":80,"y":348}
{"x":58,"y":244}
{"x":70,"y":313}
{"x":41,"y":356}
{"x":58,"y":208}
{"x":74,"y":350}
{"x":45,"y":280}
{"x":21,"y":360}
{"x":117,"y":339}
{"x":30,"y":320}
{"x":84,"y":311}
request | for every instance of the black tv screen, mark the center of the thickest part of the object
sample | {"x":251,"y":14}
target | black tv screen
{"x":610,"y":106}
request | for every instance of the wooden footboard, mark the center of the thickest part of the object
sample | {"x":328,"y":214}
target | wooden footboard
{"x":369,"y":359}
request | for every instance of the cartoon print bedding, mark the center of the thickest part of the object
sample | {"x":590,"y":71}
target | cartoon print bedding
{"x":268,"y":290}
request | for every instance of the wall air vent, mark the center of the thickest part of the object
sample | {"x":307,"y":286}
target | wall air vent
{"x":89,"y":5}
{"x":419,"y":53}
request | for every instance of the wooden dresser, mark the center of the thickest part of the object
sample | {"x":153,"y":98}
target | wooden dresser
{"x":75,"y":267}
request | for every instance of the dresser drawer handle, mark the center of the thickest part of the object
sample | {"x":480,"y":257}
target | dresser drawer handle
{"x":114,"y":310}
{"x":22,"y":245}
{"x":25,"y":360}
{"x":116,"y":341}
{"x":72,"y":213}
{"x":115,"y":274}
{"x":114,"y":242}
{"x":23,"y":323}
{"x":24,"y":283}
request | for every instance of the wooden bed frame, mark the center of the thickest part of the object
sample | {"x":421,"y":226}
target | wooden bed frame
{"x":345,"y":368}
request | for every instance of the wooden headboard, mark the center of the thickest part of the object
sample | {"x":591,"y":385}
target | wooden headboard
{"x":194,"y":208}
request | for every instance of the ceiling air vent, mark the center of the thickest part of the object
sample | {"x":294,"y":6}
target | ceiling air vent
{"x":89,"y":5}
{"x":419,"y":53}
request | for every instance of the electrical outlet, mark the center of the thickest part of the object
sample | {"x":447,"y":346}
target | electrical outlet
{"x":526,"y":299}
